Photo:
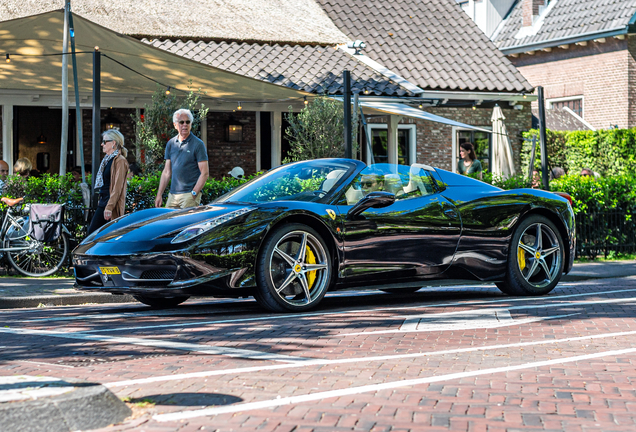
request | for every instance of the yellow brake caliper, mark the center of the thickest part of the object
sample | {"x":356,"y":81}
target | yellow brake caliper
{"x":521,"y":257}
{"x":310,"y":258}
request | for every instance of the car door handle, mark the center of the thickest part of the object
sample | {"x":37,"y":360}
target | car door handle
{"x":451,"y":213}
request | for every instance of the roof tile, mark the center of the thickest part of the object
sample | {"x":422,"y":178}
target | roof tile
{"x":567,"y":18}
{"x":308,"y":68}
{"x":440,"y":31}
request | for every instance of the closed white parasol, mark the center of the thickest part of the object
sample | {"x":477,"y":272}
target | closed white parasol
{"x":502,"y":162}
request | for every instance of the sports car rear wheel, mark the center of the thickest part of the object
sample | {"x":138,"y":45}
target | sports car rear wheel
{"x":535,"y":260}
{"x":161,"y":302}
{"x":293,"y":269}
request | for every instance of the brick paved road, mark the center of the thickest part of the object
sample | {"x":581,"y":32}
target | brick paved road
{"x":461,"y":358}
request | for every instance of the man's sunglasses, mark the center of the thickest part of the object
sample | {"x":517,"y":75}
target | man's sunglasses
{"x":368,"y":183}
{"x":184,"y":121}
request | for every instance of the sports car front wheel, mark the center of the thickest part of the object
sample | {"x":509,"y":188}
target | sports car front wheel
{"x":293,"y":269}
{"x":535,"y":259}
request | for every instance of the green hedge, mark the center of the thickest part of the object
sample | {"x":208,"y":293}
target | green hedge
{"x":143,"y":190}
{"x":608,"y":152}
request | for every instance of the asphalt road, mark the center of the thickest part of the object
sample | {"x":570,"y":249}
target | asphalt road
{"x":462,"y":359}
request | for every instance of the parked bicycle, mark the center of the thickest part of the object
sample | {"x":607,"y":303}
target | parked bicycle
{"x":26,"y":254}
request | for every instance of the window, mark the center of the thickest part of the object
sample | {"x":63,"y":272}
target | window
{"x":575,"y":104}
{"x":402,"y":181}
{"x":378,"y":134}
{"x":481,"y":141}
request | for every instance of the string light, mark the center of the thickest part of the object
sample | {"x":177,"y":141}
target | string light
{"x":305,"y":101}
{"x":474,"y":107}
{"x":239,"y":107}
{"x":8,"y":58}
{"x":421,"y":106}
{"x":366,"y":91}
{"x":168,"y":90}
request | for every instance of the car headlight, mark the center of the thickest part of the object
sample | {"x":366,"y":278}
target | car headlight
{"x":196,"y":230}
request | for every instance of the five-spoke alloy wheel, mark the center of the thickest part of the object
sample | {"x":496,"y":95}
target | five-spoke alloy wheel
{"x":535,"y":259}
{"x":293,"y":269}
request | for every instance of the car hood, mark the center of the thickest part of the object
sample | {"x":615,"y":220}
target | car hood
{"x":143,"y":231}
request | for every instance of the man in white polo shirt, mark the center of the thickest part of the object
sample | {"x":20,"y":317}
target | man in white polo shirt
{"x":186,"y":165}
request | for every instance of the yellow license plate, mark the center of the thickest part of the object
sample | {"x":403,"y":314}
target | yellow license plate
{"x":109,"y":270}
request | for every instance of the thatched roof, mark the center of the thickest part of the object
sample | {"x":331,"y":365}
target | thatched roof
{"x":295,"y":21}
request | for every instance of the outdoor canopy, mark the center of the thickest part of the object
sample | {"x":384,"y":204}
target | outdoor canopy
{"x":408,"y":111}
{"x":27,"y":41}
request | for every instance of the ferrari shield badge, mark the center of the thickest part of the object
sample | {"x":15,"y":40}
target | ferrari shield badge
{"x":332,"y":214}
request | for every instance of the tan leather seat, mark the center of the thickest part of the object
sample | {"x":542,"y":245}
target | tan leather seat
{"x":11,"y":201}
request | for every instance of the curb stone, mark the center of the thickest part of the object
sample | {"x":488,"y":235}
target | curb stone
{"x":43,"y":404}
{"x":63,"y":300}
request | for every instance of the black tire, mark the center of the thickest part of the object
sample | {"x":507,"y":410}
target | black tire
{"x":161,"y":302}
{"x":535,"y":260}
{"x":41,"y":259}
{"x":288,"y":277}
{"x":401,"y":290}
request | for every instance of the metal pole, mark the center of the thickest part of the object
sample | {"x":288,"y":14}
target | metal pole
{"x":78,"y":111}
{"x":544,"y":144}
{"x":64,"y":138}
{"x":346,"y":78}
{"x":532,"y":154}
{"x":356,"y":104}
{"x":97,"y":126}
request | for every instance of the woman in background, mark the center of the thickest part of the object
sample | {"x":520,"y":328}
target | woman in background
{"x":23,"y":166}
{"x":111,"y":180}
{"x":468,"y":162}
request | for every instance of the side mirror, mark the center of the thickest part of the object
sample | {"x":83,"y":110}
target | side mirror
{"x":373,"y":200}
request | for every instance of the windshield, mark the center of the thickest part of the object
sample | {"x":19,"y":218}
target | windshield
{"x":301,"y":181}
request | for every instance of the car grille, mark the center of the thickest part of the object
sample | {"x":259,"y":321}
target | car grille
{"x":158,"y":274}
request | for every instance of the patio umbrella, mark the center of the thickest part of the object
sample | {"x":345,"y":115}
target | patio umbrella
{"x":502,"y":163}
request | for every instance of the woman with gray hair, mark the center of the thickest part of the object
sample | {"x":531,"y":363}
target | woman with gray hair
{"x":110,"y":180}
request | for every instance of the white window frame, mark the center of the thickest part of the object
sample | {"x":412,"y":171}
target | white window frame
{"x":552,"y":101}
{"x":412,"y":144}
{"x":454,"y":154}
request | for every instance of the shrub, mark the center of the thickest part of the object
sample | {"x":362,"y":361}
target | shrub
{"x":154,"y":127}
{"x":318,"y":130}
{"x":608,"y":152}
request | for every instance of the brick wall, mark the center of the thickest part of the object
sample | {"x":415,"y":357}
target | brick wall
{"x":223,"y":155}
{"x":603,"y":73}
{"x":530,"y":8}
{"x":434,"y":140}
{"x":127,"y":129}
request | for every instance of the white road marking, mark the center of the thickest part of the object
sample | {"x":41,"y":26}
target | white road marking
{"x":351,"y":311}
{"x":469,"y":321}
{"x":23,"y":387}
{"x":249,"y":406}
{"x":205,"y":349}
{"x":237,"y":371}
{"x":443,"y":315}
{"x":47,"y":364}
{"x":183,"y":311}
{"x":111,"y":316}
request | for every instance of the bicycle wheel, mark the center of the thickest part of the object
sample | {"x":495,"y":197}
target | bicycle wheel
{"x":40,"y":259}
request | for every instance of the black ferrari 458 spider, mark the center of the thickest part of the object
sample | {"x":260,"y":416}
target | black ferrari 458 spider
{"x":302,"y":229}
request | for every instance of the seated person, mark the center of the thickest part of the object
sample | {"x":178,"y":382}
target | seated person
{"x":371,"y":183}
{"x":393,"y":184}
